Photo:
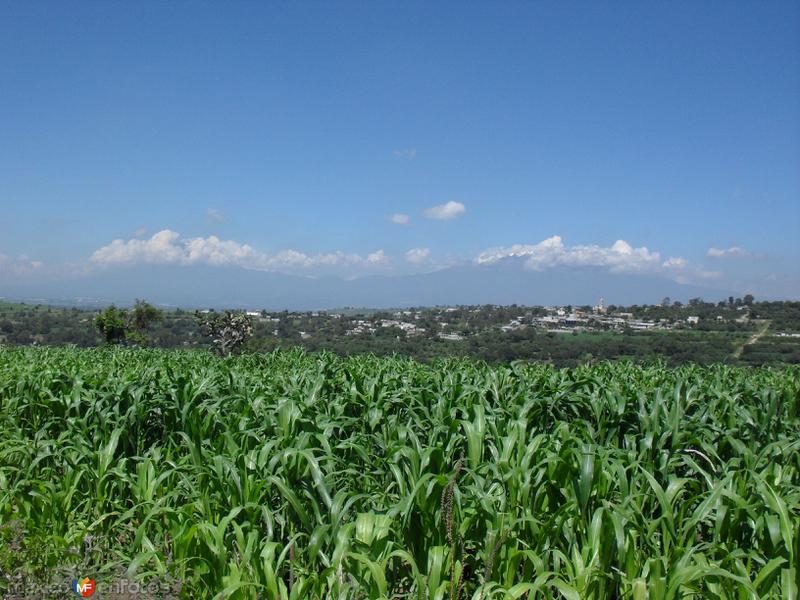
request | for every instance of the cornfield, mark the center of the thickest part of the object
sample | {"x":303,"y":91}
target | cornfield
{"x":293,"y":475}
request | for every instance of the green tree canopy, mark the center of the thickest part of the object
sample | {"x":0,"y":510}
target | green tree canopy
{"x":112,"y":324}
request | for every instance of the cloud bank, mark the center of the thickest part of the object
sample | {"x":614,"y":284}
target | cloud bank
{"x":620,"y":257}
{"x":168,"y":248}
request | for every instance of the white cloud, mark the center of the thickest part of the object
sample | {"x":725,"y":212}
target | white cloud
{"x":417,"y":256}
{"x":407,"y":153}
{"x":169,"y":248}
{"x":684,"y":272}
{"x":619,"y":257}
{"x":400,"y":218}
{"x":732,"y":252}
{"x":445,"y":212}
{"x":377,"y":258}
{"x":22,"y":265}
{"x":214,"y":215}
{"x":675,"y":263}
{"x":141,"y":232}
{"x":162,"y":248}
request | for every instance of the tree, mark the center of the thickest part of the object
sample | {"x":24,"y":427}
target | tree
{"x":665,"y":302}
{"x":143,"y":315}
{"x":139,"y":320}
{"x":228,"y":330}
{"x":118,"y":326}
{"x":112,"y":324}
{"x":748,"y":299}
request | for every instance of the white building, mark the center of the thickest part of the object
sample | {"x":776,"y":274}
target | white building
{"x":600,"y":309}
{"x":453,"y":337}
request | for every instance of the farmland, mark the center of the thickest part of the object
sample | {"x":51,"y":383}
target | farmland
{"x":308,"y":475}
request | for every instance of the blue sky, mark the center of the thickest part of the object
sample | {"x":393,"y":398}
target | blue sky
{"x":284,"y":136}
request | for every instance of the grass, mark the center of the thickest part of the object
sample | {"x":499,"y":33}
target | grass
{"x":293,"y":475}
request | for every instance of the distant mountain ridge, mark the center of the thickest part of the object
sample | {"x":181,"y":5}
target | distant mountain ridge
{"x":239,"y":288}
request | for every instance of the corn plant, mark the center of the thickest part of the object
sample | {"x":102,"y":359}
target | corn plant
{"x":291,"y":475}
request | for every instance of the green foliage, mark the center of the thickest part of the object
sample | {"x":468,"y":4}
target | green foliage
{"x":293,"y":475}
{"x":139,"y":320}
{"x":112,"y":323}
{"x":720,"y":336}
{"x":143,"y":315}
{"x":228,"y":330}
{"x":118,"y":326}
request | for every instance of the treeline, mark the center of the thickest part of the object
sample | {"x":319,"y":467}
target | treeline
{"x":710,"y":341}
{"x":562,"y":350}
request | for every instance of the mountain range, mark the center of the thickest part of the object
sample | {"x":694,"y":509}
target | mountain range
{"x":218,"y":287}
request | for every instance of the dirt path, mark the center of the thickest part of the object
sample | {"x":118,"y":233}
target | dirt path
{"x":753,"y":338}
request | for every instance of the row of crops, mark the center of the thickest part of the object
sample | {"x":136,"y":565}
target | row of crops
{"x":292,"y":475}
